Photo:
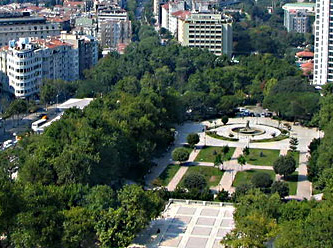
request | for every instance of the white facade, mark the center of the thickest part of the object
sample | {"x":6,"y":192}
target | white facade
{"x":28,"y":61}
{"x":165,"y":16}
{"x":207,"y":31}
{"x":323,"y":63}
{"x":24,"y":68}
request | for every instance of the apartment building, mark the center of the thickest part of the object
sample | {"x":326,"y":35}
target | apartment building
{"x":207,"y":31}
{"x":27,"y":61}
{"x":323,"y":59}
{"x":114,"y":27}
{"x":297,"y":16}
{"x":20,"y":25}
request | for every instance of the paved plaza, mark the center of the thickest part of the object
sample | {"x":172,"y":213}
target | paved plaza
{"x":189,"y":224}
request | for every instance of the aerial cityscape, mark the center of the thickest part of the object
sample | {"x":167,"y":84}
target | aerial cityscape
{"x":166,"y":123}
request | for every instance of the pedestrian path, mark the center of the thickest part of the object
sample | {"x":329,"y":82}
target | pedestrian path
{"x":182,"y":171}
{"x":304,"y":186}
{"x":231,"y":167}
{"x":177,"y":178}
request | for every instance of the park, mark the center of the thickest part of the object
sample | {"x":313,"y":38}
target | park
{"x":260,"y":151}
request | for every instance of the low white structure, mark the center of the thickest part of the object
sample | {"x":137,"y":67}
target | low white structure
{"x":75,"y":103}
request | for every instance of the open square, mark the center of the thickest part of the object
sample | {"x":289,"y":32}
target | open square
{"x":204,"y":231}
{"x":189,"y":224}
{"x":205,"y":221}
{"x":209,"y":212}
{"x":194,"y":242}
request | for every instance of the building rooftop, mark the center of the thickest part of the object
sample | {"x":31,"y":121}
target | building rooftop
{"x":299,"y":6}
{"x":75,"y":103}
{"x":305,"y":54}
{"x":188,"y":224}
{"x":181,"y":14}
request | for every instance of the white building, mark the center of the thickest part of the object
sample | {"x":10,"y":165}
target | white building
{"x":114,"y":27}
{"x":207,"y":31}
{"x":167,"y":10}
{"x":27,"y":61}
{"x":323,"y":62}
{"x":297,"y":16}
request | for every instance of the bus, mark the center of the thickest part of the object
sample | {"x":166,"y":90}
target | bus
{"x":35,"y":125}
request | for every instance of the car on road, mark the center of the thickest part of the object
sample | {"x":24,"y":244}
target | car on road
{"x":42,"y":116}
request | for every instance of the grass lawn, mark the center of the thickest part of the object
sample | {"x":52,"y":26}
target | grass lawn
{"x":207,"y":154}
{"x":212,"y":175}
{"x":216,"y":136}
{"x":269,"y":156}
{"x":292,"y":183}
{"x":246,"y":176}
{"x":169,"y":172}
{"x":295,"y":156}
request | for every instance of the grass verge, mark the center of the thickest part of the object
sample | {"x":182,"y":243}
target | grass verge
{"x":206,"y":154}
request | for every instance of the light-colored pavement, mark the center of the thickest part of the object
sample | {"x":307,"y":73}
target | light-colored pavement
{"x":177,"y":178}
{"x":231,"y":167}
{"x":182,"y":171}
{"x":304,"y":186}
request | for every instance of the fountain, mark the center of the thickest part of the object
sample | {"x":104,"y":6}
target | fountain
{"x":247,"y":130}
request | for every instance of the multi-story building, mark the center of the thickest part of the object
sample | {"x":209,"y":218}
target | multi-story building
{"x":114,"y":27}
{"x":87,"y":46}
{"x":20,"y":25}
{"x":113,"y":32}
{"x":323,"y":60}
{"x":297,"y":16}
{"x":167,"y":10}
{"x":297,"y":21}
{"x":27,"y":61}
{"x":207,"y":31}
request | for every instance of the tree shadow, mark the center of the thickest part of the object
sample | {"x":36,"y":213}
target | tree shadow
{"x":164,"y":230}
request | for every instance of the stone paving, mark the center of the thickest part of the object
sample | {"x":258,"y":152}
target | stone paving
{"x":189,"y":224}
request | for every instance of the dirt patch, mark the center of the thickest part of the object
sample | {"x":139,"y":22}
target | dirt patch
{"x":212,"y":179}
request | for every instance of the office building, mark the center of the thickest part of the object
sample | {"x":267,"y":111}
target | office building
{"x":323,"y":60}
{"x":207,"y":31}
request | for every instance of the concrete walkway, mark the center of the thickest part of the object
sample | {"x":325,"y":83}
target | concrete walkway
{"x":304,"y":186}
{"x":177,"y":178}
{"x":231,"y":167}
{"x":182,"y":171}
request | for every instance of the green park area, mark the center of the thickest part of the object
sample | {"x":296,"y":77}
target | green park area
{"x":212,"y":175}
{"x":295,"y":155}
{"x":209,"y":153}
{"x":246,"y":176}
{"x":262,"y":156}
{"x":292,"y":183}
{"x":169,"y":172}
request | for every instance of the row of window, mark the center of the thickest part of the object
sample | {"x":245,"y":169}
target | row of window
{"x":29,"y":28}
{"x":205,"y":46}
{"x":25,"y":70}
